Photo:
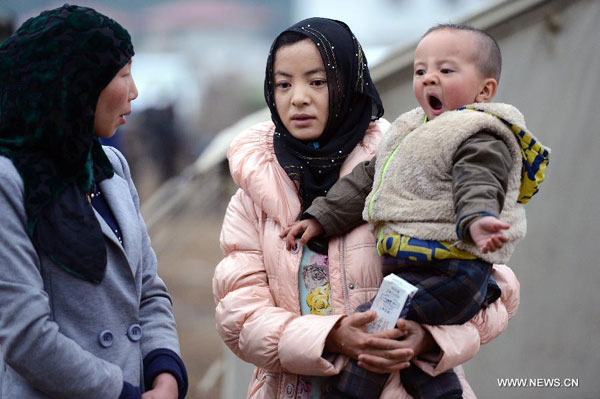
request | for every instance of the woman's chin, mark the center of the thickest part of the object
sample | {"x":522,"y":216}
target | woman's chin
{"x":105,"y":134}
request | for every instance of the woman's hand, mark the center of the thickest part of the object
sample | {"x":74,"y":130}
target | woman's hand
{"x":392,"y":354}
{"x":416,"y":337}
{"x":379,"y":352}
{"x":164,"y":386}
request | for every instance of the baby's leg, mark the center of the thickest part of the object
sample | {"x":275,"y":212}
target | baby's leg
{"x":450,"y":292}
{"x":421,"y":385}
{"x":355,"y":382}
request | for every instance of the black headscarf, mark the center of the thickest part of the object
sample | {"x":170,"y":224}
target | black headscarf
{"x":52,"y":70}
{"x":353,"y":103}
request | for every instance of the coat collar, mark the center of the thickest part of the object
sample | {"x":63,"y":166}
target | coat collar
{"x":117,"y":194}
{"x":255,"y":169}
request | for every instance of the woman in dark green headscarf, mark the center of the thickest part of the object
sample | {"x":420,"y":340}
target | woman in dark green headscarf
{"x":83,"y":313}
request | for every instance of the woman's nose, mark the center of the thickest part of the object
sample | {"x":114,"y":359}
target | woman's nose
{"x":133,"y":92}
{"x":300,"y":97}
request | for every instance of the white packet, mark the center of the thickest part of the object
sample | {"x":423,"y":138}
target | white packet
{"x":389,"y":301}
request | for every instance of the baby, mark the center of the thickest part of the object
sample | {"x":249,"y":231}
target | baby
{"x":445,"y":195}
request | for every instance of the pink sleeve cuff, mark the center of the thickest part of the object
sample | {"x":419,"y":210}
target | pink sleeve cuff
{"x":302,"y":344}
{"x":458,"y":343}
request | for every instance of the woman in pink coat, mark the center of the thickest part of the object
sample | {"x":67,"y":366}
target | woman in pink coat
{"x":290,"y":312}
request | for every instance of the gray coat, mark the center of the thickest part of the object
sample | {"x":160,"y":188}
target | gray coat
{"x":52,"y":324}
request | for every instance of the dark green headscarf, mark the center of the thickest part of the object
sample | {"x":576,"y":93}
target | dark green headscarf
{"x":52,"y":70}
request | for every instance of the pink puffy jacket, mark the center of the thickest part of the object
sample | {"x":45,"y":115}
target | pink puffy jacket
{"x":256,"y":284}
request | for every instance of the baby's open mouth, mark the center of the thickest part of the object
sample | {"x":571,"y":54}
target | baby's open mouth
{"x":435,"y":103}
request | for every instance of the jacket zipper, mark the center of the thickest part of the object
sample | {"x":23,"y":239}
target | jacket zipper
{"x":342,"y":249}
{"x":300,"y":253}
{"x":385,"y":166}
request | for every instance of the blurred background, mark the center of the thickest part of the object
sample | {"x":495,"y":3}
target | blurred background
{"x":199,"y":69}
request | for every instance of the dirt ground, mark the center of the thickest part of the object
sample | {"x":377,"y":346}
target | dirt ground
{"x":187,"y":248}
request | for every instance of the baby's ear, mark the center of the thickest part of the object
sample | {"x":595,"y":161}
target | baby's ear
{"x":487,"y":91}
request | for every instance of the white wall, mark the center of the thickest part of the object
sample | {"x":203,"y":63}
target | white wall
{"x":551,"y":73}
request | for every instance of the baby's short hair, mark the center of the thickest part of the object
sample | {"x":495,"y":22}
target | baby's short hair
{"x":489,"y":57}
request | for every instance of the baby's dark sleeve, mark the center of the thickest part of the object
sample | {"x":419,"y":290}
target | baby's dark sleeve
{"x":341,"y":210}
{"x":479,"y":179}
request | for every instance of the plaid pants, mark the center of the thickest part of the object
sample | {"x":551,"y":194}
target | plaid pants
{"x":450,"y":291}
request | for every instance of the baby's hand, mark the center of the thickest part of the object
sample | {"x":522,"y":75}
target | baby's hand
{"x":487,"y":233}
{"x":309,"y":228}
